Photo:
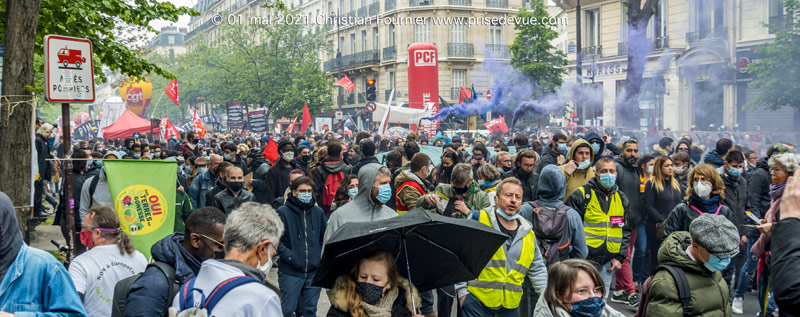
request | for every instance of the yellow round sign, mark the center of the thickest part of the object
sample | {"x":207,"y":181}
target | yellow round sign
{"x":142,"y":209}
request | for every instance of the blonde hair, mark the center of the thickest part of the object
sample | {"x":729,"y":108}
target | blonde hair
{"x":104,"y":217}
{"x":710,"y":173}
{"x":658,"y":177}
{"x":352,"y":297}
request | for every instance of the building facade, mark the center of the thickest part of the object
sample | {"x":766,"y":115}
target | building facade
{"x":694,"y":76}
{"x":168,"y":43}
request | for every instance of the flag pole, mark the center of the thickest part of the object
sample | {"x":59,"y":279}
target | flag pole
{"x":156,"y":106}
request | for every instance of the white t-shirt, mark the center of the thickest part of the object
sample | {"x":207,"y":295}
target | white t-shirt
{"x":96,"y":272}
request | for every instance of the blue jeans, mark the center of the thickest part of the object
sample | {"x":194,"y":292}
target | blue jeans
{"x":607,"y":277}
{"x":298,"y":294}
{"x":747,"y":273}
{"x":427,"y":302}
{"x":641,"y":255}
{"x":473,"y":307}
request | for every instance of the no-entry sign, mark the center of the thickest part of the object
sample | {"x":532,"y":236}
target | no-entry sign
{"x":370,"y":106}
{"x":68,"y":69}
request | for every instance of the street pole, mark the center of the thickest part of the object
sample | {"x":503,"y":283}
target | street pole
{"x":339,"y":58}
{"x":578,"y":59}
{"x":67,"y":144}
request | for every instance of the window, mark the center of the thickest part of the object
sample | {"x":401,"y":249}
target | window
{"x":389,"y":80}
{"x":364,"y":40}
{"x":330,"y":7}
{"x":708,"y":15}
{"x":341,"y":6}
{"x":352,"y":5}
{"x":352,"y":44}
{"x":623,"y":29}
{"x":657,"y":27}
{"x":341,"y":42}
{"x":776,"y":8}
{"x":459,"y":78}
{"x":458,"y":33}
{"x":496,"y":34}
{"x":422,"y":31}
{"x":390,"y":35}
{"x":375,"y":38}
{"x":591,"y":28}
{"x":171,"y":39}
{"x":363,"y":3}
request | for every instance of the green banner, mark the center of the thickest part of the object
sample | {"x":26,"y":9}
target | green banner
{"x":144,"y":198}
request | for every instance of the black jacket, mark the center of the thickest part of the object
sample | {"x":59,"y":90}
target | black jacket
{"x":736,"y":199}
{"x":362,"y":162}
{"x":550,"y":157}
{"x":683,"y":215}
{"x":529,"y":183}
{"x":227,"y":201}
{"x":320,"y":173}
{"x":300,"y":249}
{"x":579,"y":202}
{"x":218,"y":187}
{"x":657,"y":204}
{"x":260,"y":167}
{"x":77,"y":185}
{"x":785,"y":260}
{"x":758,"y":188}
{"x":629,"y":183}
{"x":42,"y":154}
{"x":276,"y":182}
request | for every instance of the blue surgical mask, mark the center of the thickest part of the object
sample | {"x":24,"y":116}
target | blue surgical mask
{"x":716,"y":263}
{"x":735,"y":172}
{"x":152,"y":155}
{"x":98,"y":163}
{"x":595,"y":148}
{"x":136,"y":155}
{"x":227,"y":157}
{"x":562,"y":147}
{"x":650,"y":170}
{"x":89,"y":162}
{"x":502,"y":213}
{"x":584,"y":165}
{"x":158,"y":155}
{"x":352,"y":192}
{"x":590,"y":307}
{"x":608,"y":180}
{"x":481,"y":183}
{"x":202,"y":170}
{"x":304,"y":197}
{"x":384,"y":193}
{"x":205,"y":153}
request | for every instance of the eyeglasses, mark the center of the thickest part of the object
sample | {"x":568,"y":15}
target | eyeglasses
{"x":221,"y":245}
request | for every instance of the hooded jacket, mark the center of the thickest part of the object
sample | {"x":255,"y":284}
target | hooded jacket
{"x":300,"y":249}
{"x":629,"y":183}
{"x":260,"y":167}
{"x":149,"y":295}
{"x":758,"y":188}
{"x":709,"y":291}
{"x":364,"y":161}
{"x":321,"y":172}
{"x":579,"y":202}
{"x":529,"y":182}
{"x":400,"y":308}
{"x":683,"y":215}
{"x":409,"y":195}
{"x":277,"y":179}
{"x":714,"y":159}
{"x":736,"y":199}
{"x":549,"y":157}
{"x":551,"y":193}
{"x":578,"y":178}
{"x":785,"y":253}
{"x":362,"y":208}
{"x":594,"y":136}
{"x":476,"y":199}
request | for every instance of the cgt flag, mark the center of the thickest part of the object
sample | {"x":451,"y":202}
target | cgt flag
{"x":497,"y":125}
{"x":291,"y":126}
{"x":346,"y":83}
{"x":168,"y":130}
{"x":198,"y":126}
{"x":143,"y":193}
{"x":172,"y":91}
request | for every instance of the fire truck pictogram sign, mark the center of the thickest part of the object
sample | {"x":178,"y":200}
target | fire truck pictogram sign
{"x":69,"y":72}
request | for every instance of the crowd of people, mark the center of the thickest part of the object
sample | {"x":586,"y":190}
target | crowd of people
{"x":669,"y":229}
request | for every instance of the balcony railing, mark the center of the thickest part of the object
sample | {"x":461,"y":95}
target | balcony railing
{"x":389,"y":5}
{"x":658,"y":43}
{"x":592,"y":50}
{"x":460,"y":50}
{"x":467,"y":3}
{"x":389,"y":53}
{"x":497,"y":51}
{"x":780,"y":23}
{"x":418,"y":3}
{"x":705,"y":35}
{"x":353,"y":60}
{"x":351,"y":99}
{"x":454,"y":93}
{"x":374,"y":9}
{"x":497,"y":4}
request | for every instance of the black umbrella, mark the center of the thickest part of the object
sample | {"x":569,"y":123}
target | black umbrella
{"x":433,"y":250}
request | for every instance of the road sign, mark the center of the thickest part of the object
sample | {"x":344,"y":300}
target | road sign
{"x":339,"y":115}
{"x":489,"y":94}
{"x":370,"y":106}
{"x":69,"y":72}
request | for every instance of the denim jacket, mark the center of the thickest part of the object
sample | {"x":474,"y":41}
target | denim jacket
{"x":198,"y":189}
{"x":45,"y":288}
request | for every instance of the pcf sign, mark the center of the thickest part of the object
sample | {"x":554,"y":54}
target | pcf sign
{"x":68,"y":69}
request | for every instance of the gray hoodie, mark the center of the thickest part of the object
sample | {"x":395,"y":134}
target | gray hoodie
{"x":362,"y":208}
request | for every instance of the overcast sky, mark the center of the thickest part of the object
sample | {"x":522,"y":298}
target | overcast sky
{"x":182,"y":22}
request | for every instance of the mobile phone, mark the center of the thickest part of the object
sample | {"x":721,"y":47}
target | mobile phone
{"x":752,"y":217}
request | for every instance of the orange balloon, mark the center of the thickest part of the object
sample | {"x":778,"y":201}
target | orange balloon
{"x":137,"y":95}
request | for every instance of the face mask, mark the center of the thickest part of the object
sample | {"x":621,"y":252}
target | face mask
{"x":678,"y":169}
{"x":608,"y":180}
{"x":584,"y":165}
{"x":202,"y":170}
{"x":306,"y":158}
{"x":562,"y":147}
{"x":304,"y":197}
{"x":86,"y":238}
{"x":157,"y":155}
{"x":215,"y":255}
{"x":752,"y":166}
{"x":481,"y":183}
{"x":235,"y":186}
{"x":89,"y":162}
{"x":152,"y":155}
{"x":590,"y":307}
{"x":501,"y":213}
{"x":227,"y":157}
{"x":650,"y":170}
{"x":702,"y":189}
{"x":716,"y":263}
{"x":735,"y":172}
{"x":187,"y":169}
{"x":460,"y":190}
{"x":136,"y":155}
{"x":595,"y":148}
{"x":287,"y":156}
{"x":195,"y":141}
{"x":370,"y":293}
{"x":267,"y":265}
{"x":683,"y":150}
{"x":205,"y":153}
{"x":352,"y":192}
{"x":384,"y":193}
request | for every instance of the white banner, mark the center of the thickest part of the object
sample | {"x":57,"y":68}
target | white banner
{"x":111,"y":113}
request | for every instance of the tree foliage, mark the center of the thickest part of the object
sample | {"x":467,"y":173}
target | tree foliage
{"x":777,"y":72}
{"x":532,"y":52}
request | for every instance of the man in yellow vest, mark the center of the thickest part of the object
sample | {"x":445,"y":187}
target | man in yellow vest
{"x":604,"y":211}
{"x":498,"y":289}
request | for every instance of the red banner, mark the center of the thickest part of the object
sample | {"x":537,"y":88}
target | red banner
{"x":346,"y":83}
{"x":291,"y":126}
{"x":198,"y":125}
{"x":172,"y":91}
{"x":497,"y":125}
{"x":168,"y":130}
{"x":306,"y":118}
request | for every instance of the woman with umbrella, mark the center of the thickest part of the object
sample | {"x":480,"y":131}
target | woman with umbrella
{"x":373,"y":288}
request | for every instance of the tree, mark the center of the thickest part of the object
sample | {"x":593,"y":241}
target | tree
{"x":638,"y":49}
{"x":532,"y":52}
{"x":778,"y":70}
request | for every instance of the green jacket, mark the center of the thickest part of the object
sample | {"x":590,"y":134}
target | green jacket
{"x":183,"y":207}
{"x":709,"y":291}
{"x":476,"y":199}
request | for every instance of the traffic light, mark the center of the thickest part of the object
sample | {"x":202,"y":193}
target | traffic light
{"x":371,"y":94}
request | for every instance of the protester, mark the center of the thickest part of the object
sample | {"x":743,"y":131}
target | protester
{"x":190,"y":146}
{"x":327,"y":175}
{"x":44,"y":167}
{"x":111,"y":258}
{"x":661,"y":194}
{"x":717,"y":157}
{"x":630,"y":178}
{"x":373,"y":288}
{"x":441,"y":173}
{"x":480,"y":157}
{"x":32,"y":282}
{"x":488,"y":178}
{"x":681,"y":165}
{"x":251,"y":236}
{"x":700,"y":254}
{"x":596,"y":144}
{"x":368,"y":205}
{"x":221,"y":184}
{"x":458,"y":199}
{"x":300,"y":249}
{"x":736,"y":198}
{"x":786,"y":249}
{"x":704,"y":195}
{"x":303,"y":158}
{"x":201,"y":240}
{"x":347,"y":190}
{"x":412,"y":184}
{"x":78,"y":171}
{"x":578,"y":169}
{"x":204,"y":181}
{"x":278,"y":175}
{"x":480,"y":297}
{"x":524,"y":162}
{"x":95,"y":190}
{"x":235,"y":194}
{"x":574,"y":288}
{"x":502,"y":161}
{"x":554,"y":152}
{"x":367,"y":147}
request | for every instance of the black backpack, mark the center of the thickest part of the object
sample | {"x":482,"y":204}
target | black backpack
{"x":552,"y":236}
{"x":681,"y":283}
{"x":123,"y":287}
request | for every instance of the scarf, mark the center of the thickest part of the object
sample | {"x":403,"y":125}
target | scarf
{"x":711,"y":204}
{"x":776,"y":189}
{"x":384,"y":307}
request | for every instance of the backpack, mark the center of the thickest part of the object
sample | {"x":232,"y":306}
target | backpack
{"x":122,"y":289}
{"x":550,"y":227}
{"x":681,"y":283}
{"x":330,"y":185}
{"x":207,"y":304}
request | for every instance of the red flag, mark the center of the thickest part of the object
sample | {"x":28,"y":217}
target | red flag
{"x":197,"y":125}
{"x":271,"y":151}
{"x":346,"y":83}
{"x":306,"y":118}
{"x":347,"y":131}
{"x":291,"y":126}
{"x":464,"y":93}
{"x":496,"y":125}
{"x":172,"y":91}
{"x":168,"y":130}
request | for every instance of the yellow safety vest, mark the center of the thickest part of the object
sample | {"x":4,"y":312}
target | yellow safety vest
{"x":497,"y":286}
{"x":598,"y":225}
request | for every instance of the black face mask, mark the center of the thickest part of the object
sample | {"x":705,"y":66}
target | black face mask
{"x":195,"y":141}
{"x":215,"y":255}
{"x":370,"y":293}
{"x":306,"y":158}
{"x":460,"y":190}
{"x":235,"y":186}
